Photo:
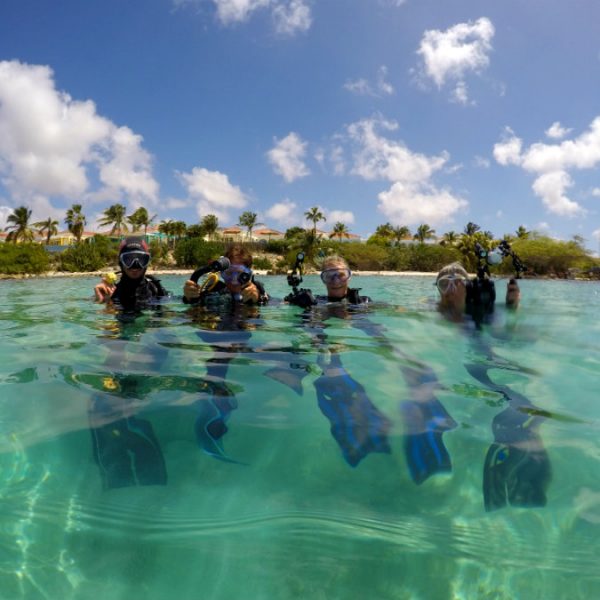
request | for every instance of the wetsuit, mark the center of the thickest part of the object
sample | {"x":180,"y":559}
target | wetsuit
{"x":135,"y":293}
{"x":220,"y":296}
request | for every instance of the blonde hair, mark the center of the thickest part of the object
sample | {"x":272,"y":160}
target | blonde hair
{"x":454,"y":268}
{"x":333,"y":261}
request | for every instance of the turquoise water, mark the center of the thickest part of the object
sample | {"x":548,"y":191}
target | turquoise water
{"x":291,"y":519}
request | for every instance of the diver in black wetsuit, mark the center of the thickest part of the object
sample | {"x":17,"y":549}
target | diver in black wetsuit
{"x":517,"y":468}
{"x":136,"y":289}
{"x":356,"y":424}
{"x":225,"y":308}
{"x":236,"y":286}
{"x":124,"y":446}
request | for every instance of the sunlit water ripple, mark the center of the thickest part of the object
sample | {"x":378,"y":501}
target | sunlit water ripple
{"x":289,"y":518}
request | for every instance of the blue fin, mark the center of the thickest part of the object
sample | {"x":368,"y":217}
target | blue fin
{"x":356,"y":424}
{"x":210,"y":425}
{"x":425,"y":422}
{"x":128,"y":453}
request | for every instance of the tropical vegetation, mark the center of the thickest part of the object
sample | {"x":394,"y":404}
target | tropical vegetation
{"x":391,"y":247}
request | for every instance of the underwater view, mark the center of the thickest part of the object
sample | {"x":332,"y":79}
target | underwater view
{"x":276,"y":453}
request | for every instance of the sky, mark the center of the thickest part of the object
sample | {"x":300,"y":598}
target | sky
{"x":402,"y":111}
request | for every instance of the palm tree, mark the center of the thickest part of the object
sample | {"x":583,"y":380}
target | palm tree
{"x":471,"y":228}
{"x":179,"y":229}
{"x":166,"y":228}
{"x":339,"y":230}
{"x":247,"y":220}
{"x":50,"y":226}
{"x":450,"y":238}
{"x":385,"y":231}
{"x":400,"y":233}
{"x":424,"y":232}
{"x":19,"y":227}
{"x":140,"y":218}
{"x":115,"y":215}
{"x":315,"y":215}
{"x":75,"y":221}
{"x":522,"y":233}
{"x":210,"y":225}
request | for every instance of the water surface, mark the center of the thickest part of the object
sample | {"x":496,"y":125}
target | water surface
{"x":290,"y":518}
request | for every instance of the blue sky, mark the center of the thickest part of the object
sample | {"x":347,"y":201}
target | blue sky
{"x":408,"y":111}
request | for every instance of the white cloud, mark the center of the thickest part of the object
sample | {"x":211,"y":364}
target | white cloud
{"x":596,"y":234}
{"x":4,"y":212}
{"x":380,"y":88}
{"x":176,"y":203}
{"x":596,"y":192}
{"x":284,"y":212}
{"x":408,"y":204}
{"x":293,"y":17}
{"x":212,"y":192}
{"x":551,"y":164}
{"x":289,"y":16}
{"x":508,"y":151}
{"x":361,"y":87}
{"x":237,"y":11}
{"x":51,"y":145}
{"x":550,"y":187}
{"x":482,"y":162}
{"x":343,"y":216}
{"x":412,"y":198}
{"x":378,"y":157}
{"x":448,"y":56}
{"x":556,"y":131}
{"x":287,"y":156}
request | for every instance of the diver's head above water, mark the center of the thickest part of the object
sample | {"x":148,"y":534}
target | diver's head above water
{"x":452,"y":282}
{"x":134,"y":257}
{"x":336,"y":274}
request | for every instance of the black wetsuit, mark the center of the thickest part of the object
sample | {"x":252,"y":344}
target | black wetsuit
{"x":137,"y":293}
{"x":220,"y":296}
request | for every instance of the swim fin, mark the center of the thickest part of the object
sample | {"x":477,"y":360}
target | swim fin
{"x":517,"y":468}
{"x":210,"y":425}
{"x":425,"y":422}
{"x":356,"y":424}
{"x":128,"y":453}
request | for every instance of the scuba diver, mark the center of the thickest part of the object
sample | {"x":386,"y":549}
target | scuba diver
{"x":356,"y":424}
{"x":225,"y":307}
{"x":136,"y":288}
{"x":517,"y":469}
{"x":124,"y":446}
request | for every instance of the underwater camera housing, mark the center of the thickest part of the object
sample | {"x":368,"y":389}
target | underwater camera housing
{"x":300,"y":297}
{"x":495,"y":257}
{"x":221,"y":264}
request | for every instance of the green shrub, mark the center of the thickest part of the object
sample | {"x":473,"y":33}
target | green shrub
{"x":82,"y":257}
{"x":544,"y":256}
{"x":23,"y":258}
{"x":262,"y":263}
{"x":431,"y":257}
{"x":363,"y":257}
{"x":195,"y":252}
{"x":279,"y":247}
{"x":159,"y":252}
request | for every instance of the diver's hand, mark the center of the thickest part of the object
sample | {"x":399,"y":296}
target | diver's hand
{"x":191,"y":290}
{"x":513,"y":294}
{"x":103,"y":292}
{"x":250,"y":294}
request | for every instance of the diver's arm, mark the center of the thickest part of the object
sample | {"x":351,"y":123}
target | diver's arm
{"x":191,"y":292}
{"x":513,"y":294}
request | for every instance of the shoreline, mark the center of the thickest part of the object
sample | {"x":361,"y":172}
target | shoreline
{"x":260,"y":272}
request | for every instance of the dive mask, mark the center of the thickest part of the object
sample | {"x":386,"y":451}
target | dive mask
{"x":136,"y":259}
